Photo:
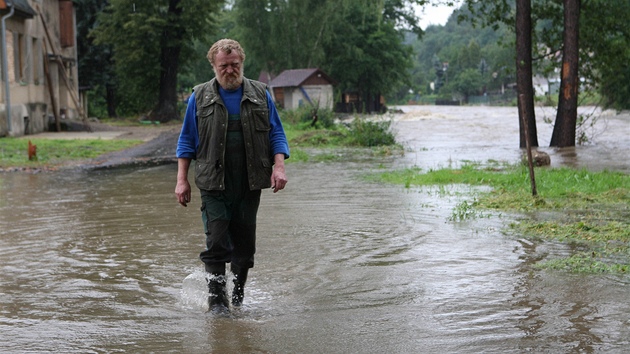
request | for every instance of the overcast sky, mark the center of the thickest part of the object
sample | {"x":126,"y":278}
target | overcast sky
{"x":432,"y":15}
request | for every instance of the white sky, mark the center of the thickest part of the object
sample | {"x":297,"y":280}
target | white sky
{"x":435,"y":15}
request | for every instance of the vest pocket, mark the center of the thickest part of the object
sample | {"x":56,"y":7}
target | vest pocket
{"x":261,"y":120}
{"x":208,"y":175}
{"x":205,"y":112}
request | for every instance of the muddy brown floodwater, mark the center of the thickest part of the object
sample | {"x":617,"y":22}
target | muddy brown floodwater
{"x":106,"y":261}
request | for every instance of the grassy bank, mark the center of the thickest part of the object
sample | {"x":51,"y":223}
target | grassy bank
{"x":590,"y":211}
{"x":54,"y":152}
{"x":329,"y":137}
{"x":304,"y":135}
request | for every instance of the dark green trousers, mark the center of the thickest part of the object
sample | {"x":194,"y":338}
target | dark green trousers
{"x":229,"y":216}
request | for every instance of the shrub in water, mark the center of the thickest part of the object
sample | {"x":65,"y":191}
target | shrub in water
{"x":366,"y":133}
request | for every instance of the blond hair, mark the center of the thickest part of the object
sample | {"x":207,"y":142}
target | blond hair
{"x":225,"y":45}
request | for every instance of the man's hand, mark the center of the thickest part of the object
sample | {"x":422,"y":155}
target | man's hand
{"x":182,"y":189}
{"x":278,"y":177}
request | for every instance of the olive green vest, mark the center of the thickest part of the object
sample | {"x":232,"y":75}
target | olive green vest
{"x":212,"y":125}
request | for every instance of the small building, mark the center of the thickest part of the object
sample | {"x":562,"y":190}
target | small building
{"x":295,"y":88}
{"x":265,"y":77}
{"x":39,"y":84}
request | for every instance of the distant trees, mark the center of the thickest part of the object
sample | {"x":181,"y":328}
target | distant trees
{"x":446,"y":52}
{"x":358,"y":42}
{"x":134,"y":54}
{"x":150,"y":43}
{"x":366,"y":54}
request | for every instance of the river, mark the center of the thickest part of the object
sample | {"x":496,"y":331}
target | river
{"x":106,"y":261}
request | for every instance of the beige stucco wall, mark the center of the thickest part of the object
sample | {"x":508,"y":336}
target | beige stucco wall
{"x":27,"y":46}
{"x":319,"y":94}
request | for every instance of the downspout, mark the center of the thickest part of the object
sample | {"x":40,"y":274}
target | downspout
{"x":5,"y":70}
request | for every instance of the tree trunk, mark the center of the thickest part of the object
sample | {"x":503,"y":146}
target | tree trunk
{"x":166,"y":107}
{"x":524,"y":82}
{"x":110,"y":98}
{"x":566,"y":118}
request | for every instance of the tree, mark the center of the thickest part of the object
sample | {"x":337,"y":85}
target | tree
{"x":524,"y":73}
{"x":96,"y":69}
{"x":463,"y":47}
{"x":605,"y":43}
{"x":608,"y":41}
{"x":366,"y":54}
{"x":280,"y":35}
{"x":566,"y":119}
{"x":468,"y":82}
{"x":357,"y":42}
{"x":157,"y":39}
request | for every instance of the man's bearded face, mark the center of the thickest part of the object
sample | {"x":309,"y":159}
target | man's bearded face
{"x":228,"y":69}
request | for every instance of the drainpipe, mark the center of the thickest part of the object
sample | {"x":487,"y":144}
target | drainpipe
{"x":5,"y":70}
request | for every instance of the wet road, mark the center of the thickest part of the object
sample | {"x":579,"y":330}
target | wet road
{"x":106,"y":261}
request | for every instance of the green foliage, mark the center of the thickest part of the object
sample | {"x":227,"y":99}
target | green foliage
{"x":305,"y":116}
{"x":458,"y":46}
{"x":604,"y":41}
{"x":140,"y":32}
{"x":318,"y":138}
{"x":465,"y":211}
{"x":97,"y":102}
{"x":606,"y":49}
{"x":139,"y":36}
{"x":359,"y":133}
{"x":298,"y":155}
{"x":588,"y":262}
{"x":604,"y":245}
{"x":469,"y":82}
{"x":14,"y":151}
{"x":369,"y":134}
{"x":359,"y":43}
{"x":365,"y":53}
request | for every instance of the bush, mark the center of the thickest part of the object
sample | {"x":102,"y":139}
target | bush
{"x":305,"y":116}
{"x":369,"y":134}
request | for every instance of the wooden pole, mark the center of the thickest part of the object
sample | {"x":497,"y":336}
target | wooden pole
{"x":51,"y":90}
{"x":528,"y":146}
{"x":75,"y":99}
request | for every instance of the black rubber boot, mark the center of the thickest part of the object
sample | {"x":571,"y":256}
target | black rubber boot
{"x":240,"y":277}
{"x":217,"y":301}
{"x":217,"y":298}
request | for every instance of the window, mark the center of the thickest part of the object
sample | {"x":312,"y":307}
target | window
{"x":66,"y":23}
{"x":38,"y":62}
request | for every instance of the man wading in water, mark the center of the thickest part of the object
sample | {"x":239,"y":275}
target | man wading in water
{"x":233,"y":131}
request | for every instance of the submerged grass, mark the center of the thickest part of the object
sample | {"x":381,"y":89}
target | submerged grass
{"x":588,"y":210}
{"x":14,"y":151}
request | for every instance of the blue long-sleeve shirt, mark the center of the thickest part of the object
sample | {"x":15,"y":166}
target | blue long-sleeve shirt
{"x":188,"y":142}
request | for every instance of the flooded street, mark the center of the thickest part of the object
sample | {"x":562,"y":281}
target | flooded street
{"x":107,"y":261}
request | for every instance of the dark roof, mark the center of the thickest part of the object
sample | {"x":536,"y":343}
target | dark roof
{"x":22,"y":8}
{"x":296,"y":77}
{"x":265,"y":77}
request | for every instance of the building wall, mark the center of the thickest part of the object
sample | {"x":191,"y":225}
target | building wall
{"x":320,"y":95}
{"x":30,"y":91}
